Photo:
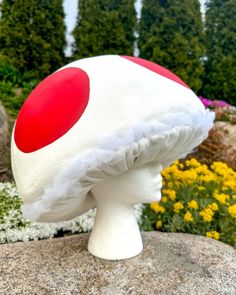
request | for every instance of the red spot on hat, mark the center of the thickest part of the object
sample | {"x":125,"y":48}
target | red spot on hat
{"x":52,"y":109}
{"x":156,"y":68}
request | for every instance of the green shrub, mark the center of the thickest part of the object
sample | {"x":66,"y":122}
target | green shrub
{"x":14,"y":86}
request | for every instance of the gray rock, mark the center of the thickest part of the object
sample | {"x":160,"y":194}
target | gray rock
{"x":170,"y":264}
{"x":3,"y":127}
{"x":228,"y":132}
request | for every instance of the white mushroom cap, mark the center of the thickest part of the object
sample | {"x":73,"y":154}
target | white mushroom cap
{"x":97,"y":117}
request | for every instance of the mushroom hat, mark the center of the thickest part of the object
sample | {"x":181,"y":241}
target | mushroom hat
{"x":94,"y":118}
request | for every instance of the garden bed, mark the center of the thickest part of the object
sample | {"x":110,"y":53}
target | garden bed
{"x":196,"y":199}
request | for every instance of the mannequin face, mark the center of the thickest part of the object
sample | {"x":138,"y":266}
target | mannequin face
{"x":138,"y":185}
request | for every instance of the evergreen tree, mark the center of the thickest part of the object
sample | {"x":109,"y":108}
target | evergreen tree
{"x":220,"y":82}
{"x":33,"y":34}
{"x":171,"y":35}
{"x":104,"y":27}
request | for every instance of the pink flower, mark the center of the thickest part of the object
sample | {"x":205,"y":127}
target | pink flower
{"x":207,"y":102}
{"x":221,"y":103}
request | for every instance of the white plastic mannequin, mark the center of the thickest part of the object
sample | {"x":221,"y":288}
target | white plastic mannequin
{"x":116,"y":233}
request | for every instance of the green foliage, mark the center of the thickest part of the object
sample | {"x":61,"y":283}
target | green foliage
{"x":219,"y":81}
{"x":171,"y":35}
{"x":14,"y":86}
{"x":104,"y":27}
{"x":10,"y":216}
{"x":32,"y":34}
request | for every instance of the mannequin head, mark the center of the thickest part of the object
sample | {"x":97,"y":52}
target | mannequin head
{"x":138,"y":185}
{"x":116,"y":234}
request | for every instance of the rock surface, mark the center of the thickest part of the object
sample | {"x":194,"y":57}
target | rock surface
{"x":4,"y":146}
{"x":229,"y":131}
{"x":3,"y":126}
{"x":170,"y":264}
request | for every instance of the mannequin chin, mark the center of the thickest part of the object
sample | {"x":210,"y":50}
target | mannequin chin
{"x":116,"y":233}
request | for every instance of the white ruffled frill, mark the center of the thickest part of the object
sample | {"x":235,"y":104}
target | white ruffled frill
{"x":164,"y":141}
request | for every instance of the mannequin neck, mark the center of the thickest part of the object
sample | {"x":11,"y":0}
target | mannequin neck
{"x":116,"y":233}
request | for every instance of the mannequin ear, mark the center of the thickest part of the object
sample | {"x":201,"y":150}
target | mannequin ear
{"x":135,"y":159}
{"x":92,"y":195}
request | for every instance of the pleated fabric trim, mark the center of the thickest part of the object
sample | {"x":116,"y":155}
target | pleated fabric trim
{"x":164,"y":140}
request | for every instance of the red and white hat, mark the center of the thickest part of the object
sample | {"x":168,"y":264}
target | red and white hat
{"x":97,"y":117}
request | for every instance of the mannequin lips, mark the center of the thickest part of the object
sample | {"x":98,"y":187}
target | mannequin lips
{"x":158,"y":181}
{"x":159,"y":185}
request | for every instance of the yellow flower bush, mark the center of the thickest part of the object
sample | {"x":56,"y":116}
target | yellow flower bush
{"x":232,"y":211}
{"x":193,"y":204}
{"x":213,"y":206}
{"x":222,"y":198}
{"x":178,"y":206}
{"x":158,"y":224}
{"x":213,"y":234}
{"x":188,"y":217}
{"x":206,"y":214}
{"x":196,"y":199}
{"x":157,"y":208}
{"x":169,"y":193}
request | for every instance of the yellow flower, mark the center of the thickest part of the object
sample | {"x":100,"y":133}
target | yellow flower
{"x":232,"y":210}
{"x":177,"y":183}
{"x":176,"y":162}
{"x":164,"y":199}
{"x":170,"y":184}
{"x":158,"y":224}
{"x":213,"y":234}
{"x":170,"y":193}
{"x":207,"y":218}
{"x":209,"y":211}
{"x":170,"y":172}
{"x":201,"y":188}
{"x":203,"y":169}
{"x":228,"y":176}
{"x":181,"y":166}
{"x":189,"y":175}
{"x":188,"y":217}
{"x":222,"y":169}
{"x":207,"y":214}
{"x":213,"y":206}
{"x":167,"y":176}
{"x":192,"y":163}
{"x":207,"y":178}
{"x":230,"y":184}
{"x":222,"y":198}
{"x":193,"y":204}
{"x":178,"y":206}
{"x":157,"y":208}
